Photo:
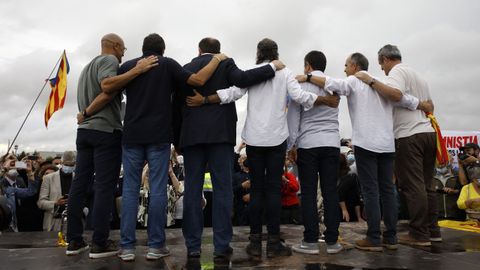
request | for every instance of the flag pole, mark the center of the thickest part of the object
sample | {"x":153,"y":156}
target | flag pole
{"x":33,"y":105}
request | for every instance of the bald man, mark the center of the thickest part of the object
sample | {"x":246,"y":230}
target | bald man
{"x":99,"y":144}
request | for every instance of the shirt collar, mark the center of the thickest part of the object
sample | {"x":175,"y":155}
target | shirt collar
{"x":11,"y":182}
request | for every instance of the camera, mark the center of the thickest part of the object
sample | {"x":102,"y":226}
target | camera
{"x":462,"y":156}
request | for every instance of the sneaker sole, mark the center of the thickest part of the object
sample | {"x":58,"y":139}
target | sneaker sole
{"x":334,"y":251}
{"x":390,"y":247}
{"x":102,"y":255}
{"x":127,"y":258}
{"x":76,"y":252}
{"x":152,"y":257}
{"x":305,"y":251}
{"x":418,"y":244}
{"x":376,"y":249}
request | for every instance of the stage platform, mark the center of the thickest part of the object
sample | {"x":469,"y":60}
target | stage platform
{"x":37,"y":250}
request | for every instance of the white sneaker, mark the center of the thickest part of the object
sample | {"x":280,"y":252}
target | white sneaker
{"x":334,"y":248}
{"x":127,"y":255}
{"x":157,"y":253}
{"x":306,"y":248}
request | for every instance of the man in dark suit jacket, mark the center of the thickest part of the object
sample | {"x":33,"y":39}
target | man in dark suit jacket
{"x":207,"y":136}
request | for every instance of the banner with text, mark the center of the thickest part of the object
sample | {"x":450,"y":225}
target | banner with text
{"x":455,"y":139}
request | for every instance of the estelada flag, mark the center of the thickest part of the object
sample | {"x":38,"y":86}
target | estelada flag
{"x":59,"y":89}
{"x":442,"y":154}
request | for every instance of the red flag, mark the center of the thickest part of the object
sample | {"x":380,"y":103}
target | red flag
{"x":442,"y":154}
{"x":59,"y":89}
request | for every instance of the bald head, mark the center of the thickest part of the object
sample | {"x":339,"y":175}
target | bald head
{"x":113,"y":44}
{"x":109,"y":40}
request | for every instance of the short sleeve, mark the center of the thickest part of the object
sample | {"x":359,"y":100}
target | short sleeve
{"x":108,"y":67}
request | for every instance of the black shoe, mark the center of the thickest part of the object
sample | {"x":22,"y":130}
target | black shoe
{"x":75,"y":247}
{"x":223,"y":254}
{"x":276,"y":247}
{"x":194,"y":254}
{"x":107,"y":250}
{"x":254,"y":248}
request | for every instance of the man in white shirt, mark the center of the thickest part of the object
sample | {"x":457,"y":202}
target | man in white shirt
{"x":373,"y":140}
{"x":315,"y":133}
{"x":415,"y":144}
{"x":265,"y":133}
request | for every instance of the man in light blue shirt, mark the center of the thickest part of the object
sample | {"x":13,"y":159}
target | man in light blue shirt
{"x":315,"y":134}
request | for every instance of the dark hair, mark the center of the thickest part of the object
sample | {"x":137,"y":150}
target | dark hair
{"x":153,"y":43}
{"x":390,"y":52}
{"x":360,"y":60}
{"x":209,"y":45}
{"x":317,"y":60}
{"x":267,"y":50}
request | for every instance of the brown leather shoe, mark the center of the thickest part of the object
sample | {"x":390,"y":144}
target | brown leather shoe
{"x":389,"y":246}
{"x":407,"y":239}
{"x":364,"y":244}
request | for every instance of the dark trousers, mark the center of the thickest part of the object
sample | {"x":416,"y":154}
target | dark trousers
{"x":375,"y":173}
{"x":312,"y":163}
{"x":414,"y":166}
{"x":100,"y":154}
{"x":219,"y":157}
{"x":266,"y":169}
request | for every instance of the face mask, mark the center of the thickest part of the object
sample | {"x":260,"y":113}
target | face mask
{"x":12,"y":173}
{"x":68,"y":169}
{"x":350,"y":158}
{"x":180,"y":160}
{"x":290,"y":168}
{"x":442,"y":170}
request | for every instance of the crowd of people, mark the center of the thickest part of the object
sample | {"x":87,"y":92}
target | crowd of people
{"x":127,"y":174}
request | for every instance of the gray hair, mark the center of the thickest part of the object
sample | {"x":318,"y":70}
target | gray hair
{"x":68,"y":156}
{"x":390,"y":52}
{"x":360,"y":60}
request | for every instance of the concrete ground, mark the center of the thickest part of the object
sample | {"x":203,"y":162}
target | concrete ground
{"x":37,"y":250}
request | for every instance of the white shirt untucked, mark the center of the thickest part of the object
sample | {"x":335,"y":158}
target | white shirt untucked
{"x":266,"y":122}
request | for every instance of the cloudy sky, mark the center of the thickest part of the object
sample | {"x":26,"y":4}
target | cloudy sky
{"x":437,"y":38}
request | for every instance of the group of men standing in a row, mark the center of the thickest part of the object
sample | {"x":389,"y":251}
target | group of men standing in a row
{"x":162,"y":102}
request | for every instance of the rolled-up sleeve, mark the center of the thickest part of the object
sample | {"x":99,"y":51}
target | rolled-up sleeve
{"x":231,"y":94}
{"x":340,"y":86}
{"x":306,"y":99}
{"x":408,"y":102}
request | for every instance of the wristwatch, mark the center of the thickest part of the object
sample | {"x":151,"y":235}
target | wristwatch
{"x":205,"y":100}
{"x":84,"y":113}
{"x":372,"y":82}
{"x":309,"y":76}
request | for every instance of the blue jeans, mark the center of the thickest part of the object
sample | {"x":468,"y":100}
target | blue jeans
{"x":323,"y":162}
{"x":375,"y":172}
{"x":134,"y":156}
{"x":266,"y":169}
{"x":219,"y":157}
{"x":98,"y":153}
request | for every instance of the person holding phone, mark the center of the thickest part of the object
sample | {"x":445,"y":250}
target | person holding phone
{"x":12,"y":184}
{"x":53,"y":196}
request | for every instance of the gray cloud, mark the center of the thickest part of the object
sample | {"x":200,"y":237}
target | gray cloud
{"x":438,"y":38}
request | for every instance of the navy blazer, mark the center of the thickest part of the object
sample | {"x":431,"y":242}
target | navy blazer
{"x":212,"y":123}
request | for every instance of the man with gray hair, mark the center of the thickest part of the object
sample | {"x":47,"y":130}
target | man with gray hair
{"x":53,"y":196}
{"x":415,"y":144}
